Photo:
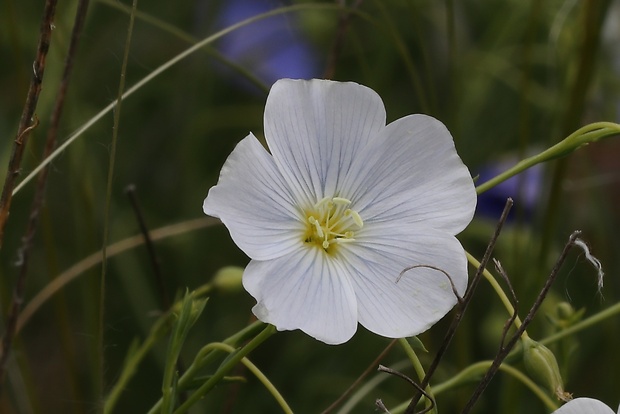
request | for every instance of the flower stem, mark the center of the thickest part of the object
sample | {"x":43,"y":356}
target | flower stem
{"x":205,"y":356}
{"x":259,"y":375}
{"x":228,"y":365}
{"x":478,"y":369}
{"x":583,"y":136}
{"x":498,"y":289}
{"x":586,"y":323}
{"x":419,"y":370}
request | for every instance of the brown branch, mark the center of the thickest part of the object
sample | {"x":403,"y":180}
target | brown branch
{"x":505,"y":350}
{"x":27,"y":118}
{"x":39,"y":197}
{"x":359,"y":379}
{"x":462,"y":307}
{"x":343,"y":25}
{"x":130,"y":191}
{"x":412,"y":382}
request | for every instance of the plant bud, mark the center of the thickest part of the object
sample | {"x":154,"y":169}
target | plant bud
{"x":228,"y":279}
{"x":564,"y":310}
{"x":541,"y":364}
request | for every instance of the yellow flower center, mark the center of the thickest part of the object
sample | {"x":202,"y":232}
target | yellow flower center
{"x":330,"y":222}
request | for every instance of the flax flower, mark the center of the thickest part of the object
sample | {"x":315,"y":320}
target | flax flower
{"x":339,"y":206}
{"x":585,"y":406}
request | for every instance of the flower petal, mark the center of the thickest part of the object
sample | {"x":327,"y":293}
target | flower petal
{"x":305,"y":290}
{"x":256,"y":205}
{"x":315,"y":129}
{"x":584,"y":406}
{"x":404,"y":306}
{"x":412,"y":173}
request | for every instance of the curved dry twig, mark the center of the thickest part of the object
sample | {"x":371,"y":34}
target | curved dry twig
{"x":463,"y":306}
{"x":505,"y":350}
{"x":456,"y":293}
{"x":412,"y":382}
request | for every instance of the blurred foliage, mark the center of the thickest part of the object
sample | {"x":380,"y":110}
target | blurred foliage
{"x":507,"y":78}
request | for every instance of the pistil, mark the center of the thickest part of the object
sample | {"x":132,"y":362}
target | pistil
{"x":331,"y":222}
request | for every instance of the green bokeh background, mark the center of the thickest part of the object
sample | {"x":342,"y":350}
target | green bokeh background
{"x":506,"y":77}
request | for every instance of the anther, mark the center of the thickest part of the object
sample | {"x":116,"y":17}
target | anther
{"x":341,"y":200}
{"x":357,"y":219}
{"x":317,"y":226}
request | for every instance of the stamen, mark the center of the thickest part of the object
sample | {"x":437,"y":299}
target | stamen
{"x":332,"y":223}
{"x":356,"y":218}
{"x":341,"y":201}
{"x":317,"y":225}
{"x":342,"y":240}
{"x":322,"y":201}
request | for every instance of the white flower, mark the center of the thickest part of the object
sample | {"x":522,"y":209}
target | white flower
{"x":584,"y":406}
{"x":340,"y":207}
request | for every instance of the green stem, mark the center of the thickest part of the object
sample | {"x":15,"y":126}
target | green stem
{"x":176,"y":59}
{"x":159,"y":330}
{"x":128,"y":372}
{"x":107,"y":207}
{"x":498,"y":289}
{"x":206,"y":356}
{"x":586,"y":323}
{"x":369,"y":386}
{"x":180,"y":34}
{"x":225,"y":368}
{"x":419,"y":370}
{"x":583,"y":136}
{"x":258,"y":374}
{"x":474,"y":371}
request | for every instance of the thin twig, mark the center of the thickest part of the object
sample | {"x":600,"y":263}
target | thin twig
{"x":381,"y":406}
{"x":504,"y":351}
{"x":130,"y":190}
{"x":459,"y":299}
{"x":463,"y":307}
{"x":39,"y":196}
{"x":164,"y":297}
{"x":412,"y":382}
{"x":515,"y":302}
{"x":359,"y":379}
{"x":108,"y":197}
{"x":343,"y":25}
{"x":28,"y":117}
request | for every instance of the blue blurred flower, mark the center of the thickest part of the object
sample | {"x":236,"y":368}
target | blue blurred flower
{"x":525,"y":189}
{"x":271,"y":48}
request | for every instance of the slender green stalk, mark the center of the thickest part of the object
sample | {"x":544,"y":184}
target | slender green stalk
{"x":206,"y":41}
{"x":369,"y":386}
{"x":209,"y":354}
{"x":474,"y":372}
{"x":498,"y":289}
{"x":79,"y":268}
{"x":160,"y":328}
{"x":592,"y":17}
{"x":406,"y":56}
{"x":419,"y":370}
{"x":106,"y":214}
{"x":185,"y":319}
{"x":586,"y":323}
{"x":583,"y":136}
{"x":225,"y":368}
{"x":180,"y":34}
{"x":129,"y":369}
{"x":259,"y":375}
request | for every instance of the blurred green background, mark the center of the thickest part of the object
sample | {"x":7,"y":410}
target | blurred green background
{"x":508,"y":78}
